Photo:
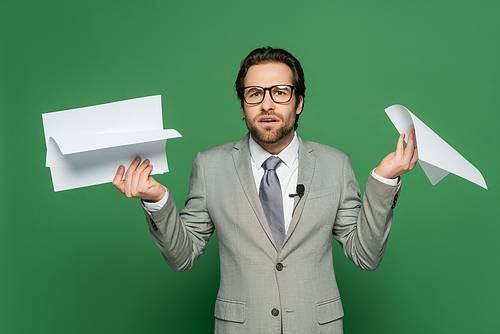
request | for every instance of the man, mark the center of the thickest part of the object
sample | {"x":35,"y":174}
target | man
{"x":277,"y":272}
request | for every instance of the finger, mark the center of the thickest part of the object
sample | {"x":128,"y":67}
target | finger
{"x":146,"y":173}
{"x":414,"y":158}
{"x":133,"y":166}
{"x":129,"y":176}
{"x":400,"y":146}
{"x":144,"y":179}
{"x":118,"y":179}
{"x":410,"y":149}
{"x":136,"y":177}
{"x":411,"y":139}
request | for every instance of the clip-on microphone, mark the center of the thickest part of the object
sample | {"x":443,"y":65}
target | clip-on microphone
{"x":300,"y":191}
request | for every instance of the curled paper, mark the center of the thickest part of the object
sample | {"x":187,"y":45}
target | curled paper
{"x":436,"y":157}
{"x":85,"y":146}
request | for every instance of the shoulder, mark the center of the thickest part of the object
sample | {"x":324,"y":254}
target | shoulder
{"x":226,"y":148}
{"x":322,"y":151}
{"x":331,"y":166}
{"x":218,"y":160}
{"x":218,"y":149}
{"x":221,"y":153}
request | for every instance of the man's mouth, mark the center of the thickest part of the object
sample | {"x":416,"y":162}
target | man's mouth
{"x":268,"y":119}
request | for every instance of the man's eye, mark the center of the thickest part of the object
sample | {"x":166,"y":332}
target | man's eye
{"x":256,"y":94}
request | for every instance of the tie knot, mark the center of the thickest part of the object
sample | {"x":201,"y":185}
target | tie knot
{"x":271,"y":163}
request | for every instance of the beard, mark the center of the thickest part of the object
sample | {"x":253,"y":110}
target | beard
{"x":271,"y":134}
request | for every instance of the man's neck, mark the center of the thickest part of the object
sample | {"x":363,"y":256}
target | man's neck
{"x":259,"y":154}
{"x":276,"y":148}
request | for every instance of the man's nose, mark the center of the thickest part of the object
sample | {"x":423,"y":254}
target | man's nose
{"x":267,"y":103}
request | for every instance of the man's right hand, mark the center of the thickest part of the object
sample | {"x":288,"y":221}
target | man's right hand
{"x":138,"y":183}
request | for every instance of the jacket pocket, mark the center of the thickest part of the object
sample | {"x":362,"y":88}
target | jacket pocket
{"x":322,"y":193}
{"x":329,"y":310}
{"x":230,"y":310}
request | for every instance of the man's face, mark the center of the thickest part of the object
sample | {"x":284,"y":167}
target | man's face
{"x":270,"y":122}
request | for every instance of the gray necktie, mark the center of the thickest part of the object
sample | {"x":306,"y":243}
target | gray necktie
{"x":272,"y":201}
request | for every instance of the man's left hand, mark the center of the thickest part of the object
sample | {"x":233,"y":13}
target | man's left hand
{"x":402,"y":160}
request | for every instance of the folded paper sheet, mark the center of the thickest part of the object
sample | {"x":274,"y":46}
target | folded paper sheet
{"x":85,"y":146}
{"x":436,"y":157}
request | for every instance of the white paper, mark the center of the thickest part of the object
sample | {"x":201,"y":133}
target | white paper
{"x":436,"y":157}
{"x":85,"y":146}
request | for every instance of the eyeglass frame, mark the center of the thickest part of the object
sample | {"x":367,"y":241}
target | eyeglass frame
{"x":264,"y":96}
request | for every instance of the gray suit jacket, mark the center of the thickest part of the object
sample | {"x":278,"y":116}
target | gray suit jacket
{"x":261,"y":288}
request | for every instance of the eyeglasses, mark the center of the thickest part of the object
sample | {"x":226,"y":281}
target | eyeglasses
{"x":278,"y":93}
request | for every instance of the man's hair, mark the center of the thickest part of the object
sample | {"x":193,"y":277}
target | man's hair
{"x":270,"y":55}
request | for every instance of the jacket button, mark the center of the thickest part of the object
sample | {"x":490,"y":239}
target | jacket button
{"x":395,"y":201}
{"x":275,"y":312}
{"x":153,"y":225}
{"x":279,"y":266}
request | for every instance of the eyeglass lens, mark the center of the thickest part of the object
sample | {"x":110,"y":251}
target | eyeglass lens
{"x":279,"y":94}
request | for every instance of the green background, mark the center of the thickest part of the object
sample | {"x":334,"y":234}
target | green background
{"x":82,"y":261}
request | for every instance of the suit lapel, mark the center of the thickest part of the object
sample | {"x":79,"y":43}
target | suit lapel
{"x":307,"y":162}
{"x":243,"y":166}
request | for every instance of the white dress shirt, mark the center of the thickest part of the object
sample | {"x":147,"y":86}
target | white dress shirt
{"x":286,"y":171}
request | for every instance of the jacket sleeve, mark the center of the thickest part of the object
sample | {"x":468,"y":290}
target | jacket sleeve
{"x":362,"y":227}
{"x":182,"y":237}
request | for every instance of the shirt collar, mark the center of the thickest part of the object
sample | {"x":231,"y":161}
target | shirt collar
{"x":259,"y":154}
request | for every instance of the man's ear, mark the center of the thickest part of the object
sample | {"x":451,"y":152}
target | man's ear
{"x":299,"y":107}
